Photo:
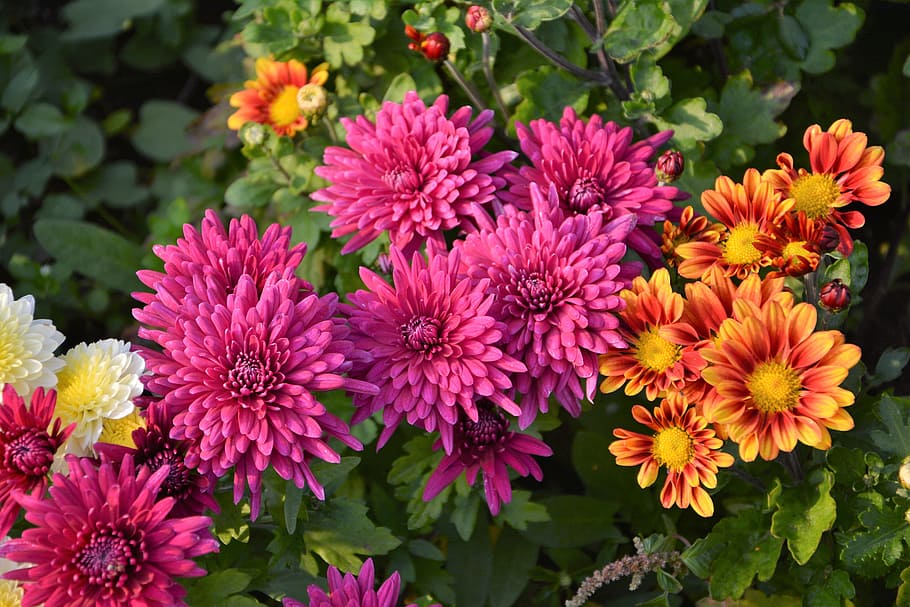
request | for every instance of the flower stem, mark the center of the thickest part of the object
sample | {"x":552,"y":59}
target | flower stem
{"x":560,"y":61}
{"x":491,"y":81}
{"x":607,"y":65}
{"x":330,"y":127}
{"x":466,"y":86}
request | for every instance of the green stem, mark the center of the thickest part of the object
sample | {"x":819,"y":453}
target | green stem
{"x":560,"y":61}
{"x":491,"y":81}
{"x":469,"y":89}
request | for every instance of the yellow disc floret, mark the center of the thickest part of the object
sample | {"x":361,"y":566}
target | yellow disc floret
{"x":739,"y":248}
{"x":284,"y":109}
{"x":673,"y":448}
{"x":656,"y":353}
{"x":774,"y":387}
{"x":815,"y":195}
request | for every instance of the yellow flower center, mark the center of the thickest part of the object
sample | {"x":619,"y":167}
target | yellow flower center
{"x":739,"y":249}
{"x":284,"y":109}
{"x":120,"y":431}
{"x":794,"y":249}
{"x":10,"y":594}
{"x":77,"y":386}
{"x":815,"y":195}
{"x":774,"y":387}
{"x":656,"y":353}
{"x":673,"y":448}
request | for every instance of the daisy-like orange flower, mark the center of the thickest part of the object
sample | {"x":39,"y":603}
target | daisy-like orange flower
{"x":844,"y":170}
{"x":652,"y":362}
{"x":691,"y":228}
{"x":777,"y":380}
{"x":745,"y":210}
{"x":795,"y":246}
{"x":272,"y":98}
{"x":682,"y":443}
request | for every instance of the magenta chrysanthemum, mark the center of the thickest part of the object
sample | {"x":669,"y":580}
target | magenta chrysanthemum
{"x":596,"y":168}
{"x":28,"y":442}
{"x":351,"y":591}
{"x":156,"y":449}
{"x":414,"y":173}
{"x":434,"y":343}
{"x":556,"y":282}
{"x":102,"y":540}
{"x":245,"y":375}
{"x":487,"y":446}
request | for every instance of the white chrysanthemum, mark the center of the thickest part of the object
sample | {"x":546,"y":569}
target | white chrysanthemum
{"x":26,"y":345}
{"x":98,"y":381}
{"x":120,"y":431}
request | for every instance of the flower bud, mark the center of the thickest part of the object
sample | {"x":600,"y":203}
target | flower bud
{"x":312,"y":100}
{"x":478,"y":19}
{"x":834,"y":296}
{"x":252,"y":134}
{"x":830,"y":239}
{"x":435,"y":47}
{"x":670,"y":166}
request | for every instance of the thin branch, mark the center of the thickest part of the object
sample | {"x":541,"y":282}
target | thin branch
{"x":468,"y":88}
{"x":491,"y":81}
{"x":607,"y":65}
{"x":560,"y":61}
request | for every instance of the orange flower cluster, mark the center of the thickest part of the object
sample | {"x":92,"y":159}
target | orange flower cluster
{"x":738,"y":357}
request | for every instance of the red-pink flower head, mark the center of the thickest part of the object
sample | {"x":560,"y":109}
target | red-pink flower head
{"x":596,"y":168}
{"x":487,"y":446}
{"x":434,"y":344}
{"x":556,"y":279}
{"x":28,"y":442}
{"x":415,"y":173}
{"x":155,"y":448}
{"x":103,"y":540}
{"x":244,"y":374}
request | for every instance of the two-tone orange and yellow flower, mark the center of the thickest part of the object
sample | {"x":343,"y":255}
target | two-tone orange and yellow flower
{"x":689,"y":228}
{"x":777,"y":380}
{"x":843,"y":170}
{"x":684,"y":444}
{"x":272,"y":98}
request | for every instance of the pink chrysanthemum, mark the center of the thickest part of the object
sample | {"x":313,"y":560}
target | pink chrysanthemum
{"x":102,"y":540}
{"x":434,"y":343}
{"x":156,"y":449}
{"x":414,"y":173}
{"x":28,"y":442}
{"x":596,"y":168}
{"x":243,"y":382}
{"x":556,"y":283}
{"x":487,"y":446}
{"x":351,"y":591}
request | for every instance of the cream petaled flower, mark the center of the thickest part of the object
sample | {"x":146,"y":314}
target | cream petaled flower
{"x":120,"y":431}
{"x":26,"y":345}
{"x":98,"y":381}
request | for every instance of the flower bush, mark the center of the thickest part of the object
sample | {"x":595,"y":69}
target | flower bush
{"x":631,"y":264}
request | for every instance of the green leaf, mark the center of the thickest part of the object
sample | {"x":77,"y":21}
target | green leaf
{"x":100,"y":254}
{"x":90,"y":19}
{"x":803,"y":513}
{"x":20,"y":87}
{"x":890,"y":365}
{"x":651,"y":88}
{"x":831,"y":591}
{"x":685,"y":14}
{"x":464,"y":514}
{"x":829,"y":27}
{"x":906,"y":72}
{"x":575,"y":520}
{"x":521,"y":511}
{"x":471,"y":564}
{"x":738,"y":549}
{"x":274,"y":38}
{"x":792,"y":36}
{"x":332,"y":476}
{"x":41,"y":120}
{"x":691,"y":123}
{"x":411,"y":466}
{"x":903,"y":591}
{"x":639,"y":25}
{"x":401,"y":84}
{"x":77,"y":150}
{"x":115,"y":184}
{"x":162,"y":129}
{"x":513,"y":559}
{"x":661,"y":600}
{"x":341,"y":532}
{"x":545,"y":93}
{"x":530,"y":13}
{"x":251,"y":191}
{"x":293,"y":498}
{"x":217,"y":585}
{"x":12,"y":43}
{"x":870,"y":553}
{"x":711,"y":25}
{"x":895,"y":440}
{"x":748,"y":117}
{"x":859,"y":267}
{"x":345,"y":39}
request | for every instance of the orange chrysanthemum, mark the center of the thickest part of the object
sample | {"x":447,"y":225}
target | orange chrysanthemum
{"x":843,"y":170}
{"x":691,"y":228}
{"x":684,"y":444}
{"x":272,"y":98}
{"x":794,"y":246}
{"x":652,"y":362}
{"x":777,"y":380}
{"x":745,"y":210}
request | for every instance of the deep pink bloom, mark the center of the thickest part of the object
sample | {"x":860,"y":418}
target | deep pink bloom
{"x":596,"y":168}
{"x":556,"y":281}
{"x":155,"y":449}
{"x":243,"y":378}
{"x":414,"y":173}
{"x":353,"y":591}
{"x":434,"y":344}
{"x":487,"y":446}
{"x":102,"y":540}
{"x":28,"y":442}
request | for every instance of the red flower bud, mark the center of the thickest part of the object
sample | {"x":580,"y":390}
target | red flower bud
{"x":478,"y":19}
{"x":413,"y":34}
{"x":830,"y":239}
{"x":670,"y":166}
{"x":435,"y":47}
{"x":834,"y":296}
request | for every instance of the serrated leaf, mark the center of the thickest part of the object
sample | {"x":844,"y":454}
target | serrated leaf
{"x":93,"y":251}
{"x":829,"y":27}
{"x":341,"y":532}
{"x":218,"y":585}
{"x":804,"y":513}
{"x":531,"y":13}
{"x":736,"y":551}
{"x":251,"y":191}
{"x":793,"y":37}
{"x":332,"y":476}
{"x":521,"y":511}
{"x":691,"y":123}
{"x":545,"y":93}
{"x":870,"y":553}
{"x":639,"y":25}
{"x":895,"y":440}
{"x":412,"y":465}
{"x":162,"y":129}
{"x":513,"y":559}
{"x":903,"y":591}
{"x":830,"y":591}
{"x":344,"y":40}
{"x":685,"y":14}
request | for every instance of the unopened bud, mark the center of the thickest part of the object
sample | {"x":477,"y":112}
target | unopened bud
{"x":478,"y":19}
{"x":312,"y":100}
{"x":830,"y":239}
{"x":252,"y":133}
{"x":834,"y":296}
{"x":435,"y":47}
{"x":670,"y":166}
